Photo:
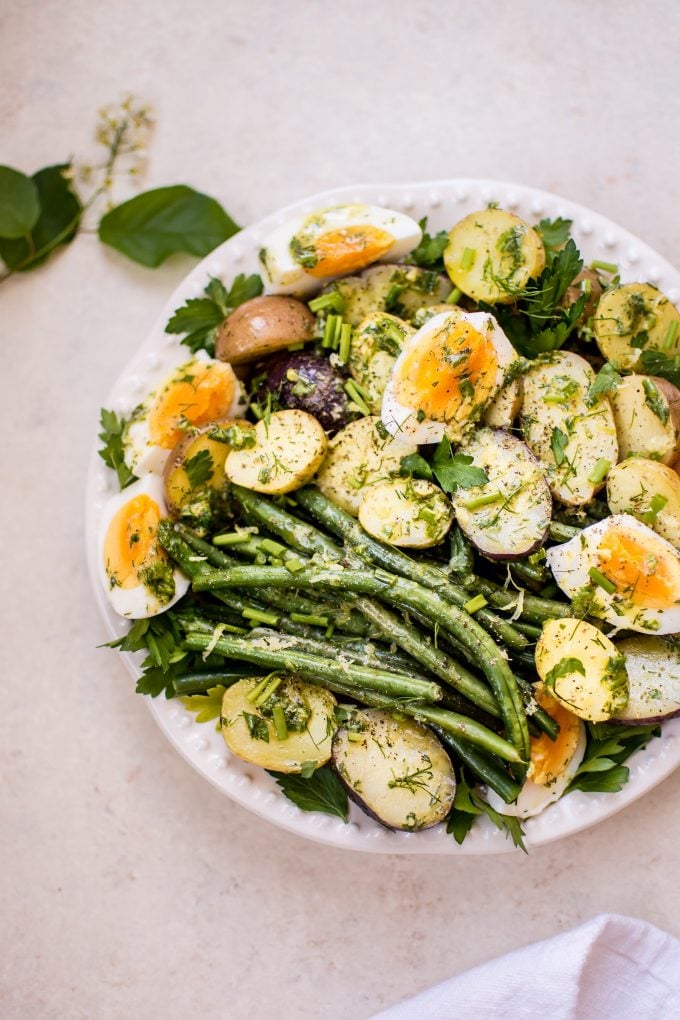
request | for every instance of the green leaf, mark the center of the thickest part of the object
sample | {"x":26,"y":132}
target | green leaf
{"x":428,"y":254}
{"x":508,"y":824}
{"x":665,"y":365}
{"x":206,"y":706}
{"x":200,"y":317}
{"x":57,"y":224}
{"x":609,"y":746}
{"x":156,"y":224}
{"x":554,"y":233}
{"x":413,"y":465}
{"x":199,"y":468}
{"x":112,"y":452}
{"x":455,"y":471}
{"x":564,"y":668}
{"x":459,"y":824}
{"x":468,"y":805}
{"x":558,"y":444}
{"x":19,"y":203}
{"x":606,"y":380}
{"x":323,"y":791}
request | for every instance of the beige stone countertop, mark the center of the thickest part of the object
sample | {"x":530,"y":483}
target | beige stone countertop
{"x":129,"y":886}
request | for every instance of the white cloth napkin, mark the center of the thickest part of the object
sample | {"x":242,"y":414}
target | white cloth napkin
{"x":610,"y":968}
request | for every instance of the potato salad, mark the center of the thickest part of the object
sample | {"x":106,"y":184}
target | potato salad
{"x":402,"y":518}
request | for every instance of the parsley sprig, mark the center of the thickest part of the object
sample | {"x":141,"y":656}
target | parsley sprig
{"x":468,"y":805}
{"x":318,"y":790}
{"x":112,"y":452}
{"x":199,"y":318}
{"x":609,"y":746}
{"x":452,"y":471}
{"x":429,"y":253}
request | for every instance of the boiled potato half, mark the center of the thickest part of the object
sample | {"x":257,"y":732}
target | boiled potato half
{"x":288,"y":449}
{"x":376,"y":345}
{"x":647,"y":415}
{"x":262,"y":326}
{"x":292,"y":726}
{"x":406,"y":512}
{"x":650,"y":491}
{"x":632,"y":318}
{"x":492,"y":255}
{"x":390,"y":288}
{"x":196,"y":464}
{"x":361,"y":454}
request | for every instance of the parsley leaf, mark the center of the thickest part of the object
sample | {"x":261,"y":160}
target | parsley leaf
{"x":199,"y":318}
{"x":199,"y":468}
{"x":564,"y":668}
{"x":322,"y":791}
{"x":554,"y":233}
{"x":558,"y":444}
{"x":609,"y":746}
{"x":257,"y":726}
{"x":454,"y":471}
{"x":112,"y":452}
{"x":665,"y":365}
{"x":430,"y":251}
{"x":206,"y":706}
{"x":415,"y":466}
{"x":468,"y":805}
{"x":606,"y":380}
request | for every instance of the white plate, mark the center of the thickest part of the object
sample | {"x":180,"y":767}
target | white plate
{"x":443,"y":202}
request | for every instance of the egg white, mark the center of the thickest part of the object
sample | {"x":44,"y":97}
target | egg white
{"x":401,"y":420}
{"x":283,"y":274}
{"x":138,"y":602}
{"x":571,"y":562}
{"x":142,"y":456}
{"x":535,"y":797}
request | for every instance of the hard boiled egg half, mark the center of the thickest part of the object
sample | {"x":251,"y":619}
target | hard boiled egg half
{"x":629,"y":575}
{"x":342,"y":239}
{"x":445,"y":376}
{"x":197,"y":391}
{"x":553,"y":763}
{"x":135,"y":571}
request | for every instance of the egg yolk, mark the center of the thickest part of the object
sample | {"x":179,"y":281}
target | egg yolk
{"x":348,"y":249}
{"x":645,"y":575}
{"x":445,"y":374}
{"x":131,"y":541}
{"x":201,"y":394}
{"x":549,"y":758}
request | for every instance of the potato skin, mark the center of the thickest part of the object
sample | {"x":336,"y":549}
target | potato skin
{"x":176,"y":485}
{"x":308,"y":382}
{"x":633,"y":483}
{"x":262,"y":326}
{"x":574,"y":292}
{"x":639,"y":429}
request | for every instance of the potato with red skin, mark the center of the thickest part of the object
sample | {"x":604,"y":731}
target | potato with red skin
{"x":647,"y":416}
{"x":263,"y":326}
{"x":177,"y":488}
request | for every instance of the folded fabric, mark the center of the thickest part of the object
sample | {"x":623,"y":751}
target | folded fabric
{"x":610,"y":968}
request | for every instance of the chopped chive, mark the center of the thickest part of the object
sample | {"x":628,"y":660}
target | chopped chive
{"x":268,"y":691}
{"x":271,"y":548}
{"x":258,"y":688}
{"x":310,"y":618}
{"x":656,"y":505}
{"x":331,"y":333}
{"x":597,"y":577}
{"x":606,"y":267}
{"x":345,"y":343}
{"x":228,"y":627}
{"x":333,"y":299}
{"x":671,"y":334}
{"x":427,"y":515}
{"x":295,"y":566}
{"x":354,"y":738}
{"x":329,"y":631}
{"x":475,"y":604}
{"x":296,"y":347}
{"x":455,"y":296}
{"x":353,"y":393}
{"x":279,"y":720}
{"x":257,"y":616}
{"x":231,"y":538}
{"x":468,"y":259}
{"x":260,"y":559}
{"x":600,"y":471}
{"x":586,"y":285}
{"x":485,"y":500}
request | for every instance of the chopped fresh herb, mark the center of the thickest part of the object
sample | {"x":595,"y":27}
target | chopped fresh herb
{"x":609,"y":746}
{"x":206,"y":706}
{"x":656,"y":505}
{"x":655,"y":402}
{"x":199,"y":318}
{"x":112,"y":452}
{"x":257,"y":726}
{"x":606,"y":267}
{"x":558,"y":445}
{"x":320,"y":791}
{"x":238,"y":437}
{"x":606,"y":380}
{"x":199,"y":468}
{"x":454,"y":471}
{"x":564,"y":667}
{"x":600,"y":471}
{"x":430,"y":251}
{"x":413,"y":465}
{"x":664,"y":365}
{"x":598,"y":578}
{"x":305,"y":256}
{"x":158,"y":578}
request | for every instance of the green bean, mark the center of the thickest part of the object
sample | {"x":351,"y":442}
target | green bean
{"x":562,"y":532}
{"x":486,"y":767}
{"x":201,"y":682}
{"x":534,"y":608}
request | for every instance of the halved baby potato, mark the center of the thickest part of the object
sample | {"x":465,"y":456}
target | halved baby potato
{"x":505,"y":406}
{"x":510,"y":514}
{"x":650,"y":491}
{"x":403,"y":289}
{"x":359,"y":456}
{"x":572,"y":437}
{"x":406,"y":512}
{"x":492,"y":255}
{"x":262,"y":326}
{"x":395,"y":768}
{"x":288,"y":450}
{"x":647,"y":416}
{"x":582,"y":669}
{"x":376,"y":344}
{"x":254,"y":731}
{"x":196,"y":464}
{"x":653,"y":667}
{"x":634,"y":317}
